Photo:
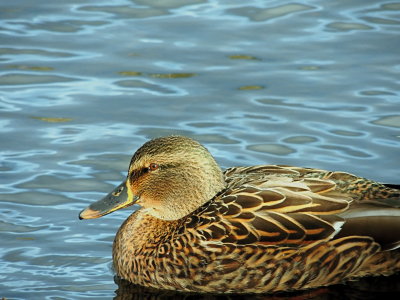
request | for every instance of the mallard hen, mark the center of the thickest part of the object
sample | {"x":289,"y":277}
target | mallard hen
{"x":257,"y":229}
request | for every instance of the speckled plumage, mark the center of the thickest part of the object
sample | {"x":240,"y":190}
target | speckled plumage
{"x":271,"y":228}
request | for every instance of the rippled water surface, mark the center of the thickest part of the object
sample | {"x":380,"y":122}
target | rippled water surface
{"x":84,"y":83}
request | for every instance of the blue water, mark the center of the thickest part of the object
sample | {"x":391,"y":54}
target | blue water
{"x":84,"y":83}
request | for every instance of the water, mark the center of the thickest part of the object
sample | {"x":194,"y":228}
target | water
{"x":83,"y":84}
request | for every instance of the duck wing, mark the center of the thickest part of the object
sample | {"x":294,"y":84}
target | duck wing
{"x":293,"y":207}
{"x":279,"y":228}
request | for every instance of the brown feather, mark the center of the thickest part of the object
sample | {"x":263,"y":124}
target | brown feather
{"x":265,"y":229}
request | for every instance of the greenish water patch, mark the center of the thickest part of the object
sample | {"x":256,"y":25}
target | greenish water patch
{"x":30,"y":68}
{"x":251,"y":87}
{"x":347,"y":26}
{"x":243,"y":57}
{"x":53,"y":120}
{"x":172,"y":75}
{"x":130,"y":73}
{"x":390,"y":121}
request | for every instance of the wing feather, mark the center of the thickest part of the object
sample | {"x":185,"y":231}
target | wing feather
{"x":289,"y":206}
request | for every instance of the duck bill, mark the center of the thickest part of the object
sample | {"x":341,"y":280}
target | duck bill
{"x":119,"y":198}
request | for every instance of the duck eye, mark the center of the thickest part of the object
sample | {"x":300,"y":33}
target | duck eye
{"x":153,"y":167}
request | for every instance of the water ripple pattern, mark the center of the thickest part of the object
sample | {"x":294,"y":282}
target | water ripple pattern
{"x":84,"y":83}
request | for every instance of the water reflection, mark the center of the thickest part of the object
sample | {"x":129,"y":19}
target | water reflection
{"x":367,"y":289}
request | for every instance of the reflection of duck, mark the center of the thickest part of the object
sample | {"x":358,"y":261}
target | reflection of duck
{"x":366,"y":288}
{"x":249,"y":229}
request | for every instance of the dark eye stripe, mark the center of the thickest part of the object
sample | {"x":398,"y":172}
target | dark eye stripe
{"x":137,"y":173}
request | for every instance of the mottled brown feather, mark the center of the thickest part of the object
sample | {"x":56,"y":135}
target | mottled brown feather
{"x":271,"y":228}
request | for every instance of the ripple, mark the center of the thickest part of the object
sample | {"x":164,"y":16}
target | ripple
{"x":32,"y":79}
{"x":100,"y":162}
{"x":261,"y":118}
{"x":149,"y":9}
{"x":5,"y":126}
{"x":329,"y":158}
{"x":16,"y":165}
{"x":274,"y":149}
{"x":153,"y":132}
{"x":391,"y":6}
{"x":70,"y":134}
{"x":348,"y":26}
{"x":61,"y":26}
{"x":257,"y":14}
{"x":348,"y":133}
{"x":125,"y":11}
{"x":215,"y":138}
{"x":23,"y":99}
{"x":147,"y":87}
{"x":36,"y":198}
{"x":7,"y":107}
{"x":205,"y":124}
{"x":16,"y":228}
{"x":377,"y":93}
{"x":381,"y":21}
{"x":300,"y":139}
{"x":388,"y":121}
{"x":312,"y":106}
{"x":65,"y":260}
{"x":169,"y":4}
{"x":28,"y":53}
{"x":27,"y":153}
{"x":348,"y":151}
{"x":58,"y":184}
{"x":387,"y":142}
{"x":334,"y":129}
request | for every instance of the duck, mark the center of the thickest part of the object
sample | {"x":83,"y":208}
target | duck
{"x":247,"y":229}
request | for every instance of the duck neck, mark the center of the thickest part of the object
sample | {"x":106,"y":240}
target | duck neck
{"x":138,"y":236}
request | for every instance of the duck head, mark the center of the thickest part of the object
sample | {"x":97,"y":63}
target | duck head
{"x":169,"y":177}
